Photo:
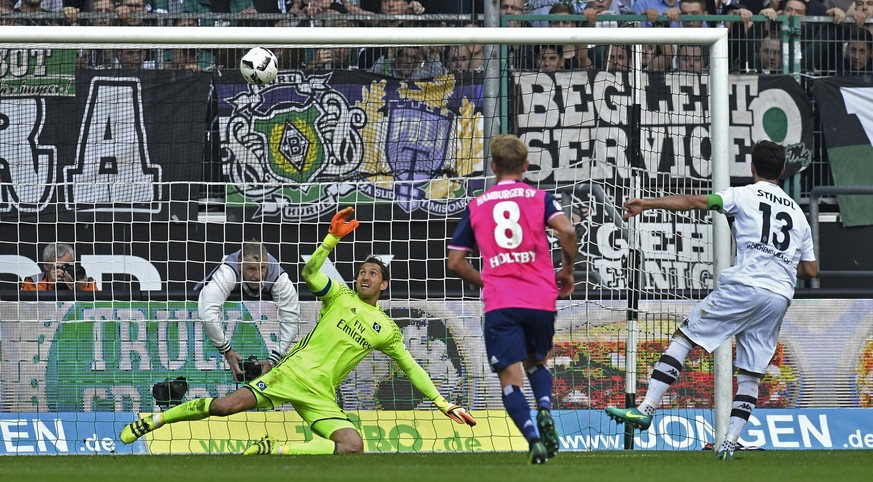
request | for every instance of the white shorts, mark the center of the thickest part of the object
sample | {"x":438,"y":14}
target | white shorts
{"x":753,"y":315}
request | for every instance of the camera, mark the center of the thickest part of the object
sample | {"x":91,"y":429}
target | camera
{"x":76,"y":271}
{"x":169,"y":393}
{"x":251,"y":368}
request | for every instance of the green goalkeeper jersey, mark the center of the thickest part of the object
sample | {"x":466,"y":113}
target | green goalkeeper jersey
{"x":348,"y":329}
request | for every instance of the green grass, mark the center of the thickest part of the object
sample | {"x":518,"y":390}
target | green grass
{"x":793,"y":466}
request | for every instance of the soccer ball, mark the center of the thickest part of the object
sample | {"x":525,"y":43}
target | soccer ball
{"x":259,"y":66}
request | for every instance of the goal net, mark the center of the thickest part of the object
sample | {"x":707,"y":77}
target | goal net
{"x":145,"y":152}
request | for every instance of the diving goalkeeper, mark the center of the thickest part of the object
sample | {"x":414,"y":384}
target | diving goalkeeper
{"x":350,"y":326}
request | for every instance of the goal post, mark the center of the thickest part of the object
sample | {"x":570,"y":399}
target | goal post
{"x":408,"y":205}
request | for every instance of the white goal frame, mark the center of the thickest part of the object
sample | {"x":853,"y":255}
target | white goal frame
{"x":211,"y":37}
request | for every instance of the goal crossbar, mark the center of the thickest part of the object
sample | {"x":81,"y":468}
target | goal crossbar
{"x":166,"y":37}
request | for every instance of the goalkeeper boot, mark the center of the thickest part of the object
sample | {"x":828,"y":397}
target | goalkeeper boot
{"x":548,"y":434}
{"x":538,"y":453}
{"x":267,"y":445}
{"x":630,"y":416}
{"x":724,"y":455}
{"x":135,"y":430}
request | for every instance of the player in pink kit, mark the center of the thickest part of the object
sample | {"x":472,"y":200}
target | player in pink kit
{"x":519,"y":286}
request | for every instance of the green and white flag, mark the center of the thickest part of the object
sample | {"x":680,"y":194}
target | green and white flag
{"x":846,"y":107}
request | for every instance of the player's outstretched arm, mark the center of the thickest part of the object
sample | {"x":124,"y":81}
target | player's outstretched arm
{"x":635,"y":206}
{"x":422,"y":381}
{"x":340,"y":226}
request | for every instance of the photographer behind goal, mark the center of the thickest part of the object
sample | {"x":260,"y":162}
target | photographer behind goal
{"x":60,"y":272}
{"x":254,"y":274}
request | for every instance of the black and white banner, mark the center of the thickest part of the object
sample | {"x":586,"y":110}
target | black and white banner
{"x":114,"y":146}
{"x":578,"y":124}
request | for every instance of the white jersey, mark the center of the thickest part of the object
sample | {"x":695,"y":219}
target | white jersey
{"x":772,"y":236}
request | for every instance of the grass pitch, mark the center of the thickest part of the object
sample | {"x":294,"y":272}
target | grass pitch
{"x":793,"y":466}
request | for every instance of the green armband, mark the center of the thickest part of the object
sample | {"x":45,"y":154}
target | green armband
{"x":330,"y":241}
{"x":714,"y":202}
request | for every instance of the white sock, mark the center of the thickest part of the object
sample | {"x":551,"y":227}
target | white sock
{"x":744,"y":402}
{"x":666,"y":372}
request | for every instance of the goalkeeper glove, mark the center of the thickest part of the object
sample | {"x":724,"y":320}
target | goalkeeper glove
{"x":459,"y":415}
{"x":341,"y":225}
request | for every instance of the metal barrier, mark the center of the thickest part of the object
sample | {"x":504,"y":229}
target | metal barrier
{"x":814,"y":197}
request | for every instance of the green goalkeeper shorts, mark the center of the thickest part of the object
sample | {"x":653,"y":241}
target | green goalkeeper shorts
{"x":320,"y":412}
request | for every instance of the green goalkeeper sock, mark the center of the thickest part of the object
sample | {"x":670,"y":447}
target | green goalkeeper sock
{"x":196,"y":409}
{"x":316,"y":446}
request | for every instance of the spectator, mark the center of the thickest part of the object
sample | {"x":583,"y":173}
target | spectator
{"x":858,"y":52}
{"x":653,"y":58}
{"x":818,"y":41}
{"x":617,"y":58}
{"x":549,"y":58}
{"x":60,"y":272}
{"x":861,"y":10}
{"x":543,"y":7}
{"x":465,"y":58}
{"x":133,"y":59}
{"x":573,"y":56}
{"x":513,"y":7}
{"x":224,"y":56}
{"x":329,"y":58}
{"x":131,"y":12}
{"x":184,"y":59}
{"x":695,"y":8}
{"x":652,"y":9}
{"x":35,"y":6}
{"x":6,"y":9}
{"x":321,"y":13}
{"x":95,"y":58}
{"x":252,"y":273}
{"x":595,"y":10}
{"x":520,"y":56}
{"x":689,"y":58}
{"x":290,"y":7}
{"x":769,"y":60}
{"x":368,"y":56}
{"x":409,"y":63}
{"x":47,"y":5}
{"x":242,"y":7}
{"x":198,"y":60}
{"x":844,"y":5}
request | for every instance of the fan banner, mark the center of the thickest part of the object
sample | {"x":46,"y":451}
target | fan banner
{"x":847,"y":123}
{"x":105,"y":356}
{"x":114,"y":147}
{"x":37,"y":73}
{"x":295,"y":148}
{"x":572,"y":119}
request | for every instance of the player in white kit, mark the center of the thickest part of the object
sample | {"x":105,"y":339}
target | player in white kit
{"x":774,"y":247}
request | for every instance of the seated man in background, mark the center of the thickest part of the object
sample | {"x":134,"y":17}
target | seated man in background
{"x":60,"y":272}
{"x":255,"y":274}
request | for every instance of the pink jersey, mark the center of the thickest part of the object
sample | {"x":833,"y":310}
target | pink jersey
{"x":508,"y":222}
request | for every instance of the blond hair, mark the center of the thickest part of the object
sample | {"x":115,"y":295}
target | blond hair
{"x":508,"y":153}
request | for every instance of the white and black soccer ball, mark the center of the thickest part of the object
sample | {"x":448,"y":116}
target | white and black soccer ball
{"x":259,"y":66}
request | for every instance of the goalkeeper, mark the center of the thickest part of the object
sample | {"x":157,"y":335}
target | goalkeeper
{"x":350,"y":326}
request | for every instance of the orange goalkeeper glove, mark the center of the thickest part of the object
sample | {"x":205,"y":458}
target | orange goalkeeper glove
{"x":341,"y":225}
{"x":459,"y":415}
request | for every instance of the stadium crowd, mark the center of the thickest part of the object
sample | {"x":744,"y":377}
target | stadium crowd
{"x":834,"y":35}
